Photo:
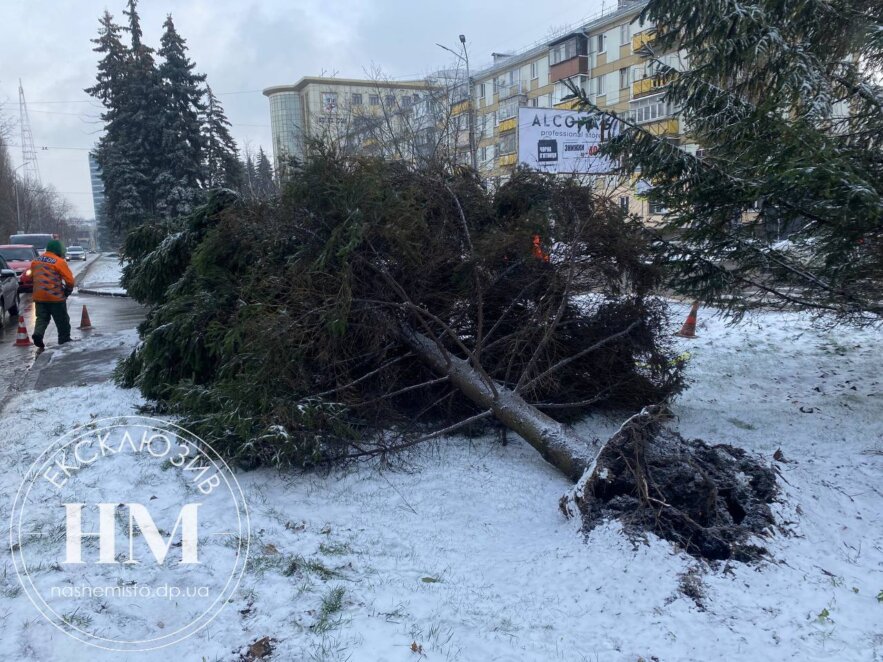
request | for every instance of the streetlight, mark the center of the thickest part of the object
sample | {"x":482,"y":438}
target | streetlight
{"x":473,"y":151}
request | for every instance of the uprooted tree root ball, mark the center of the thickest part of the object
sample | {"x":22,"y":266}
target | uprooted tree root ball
{"x":713,"y":501}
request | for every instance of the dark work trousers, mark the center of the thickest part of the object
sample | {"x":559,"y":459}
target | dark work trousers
{"x":57,"y":311}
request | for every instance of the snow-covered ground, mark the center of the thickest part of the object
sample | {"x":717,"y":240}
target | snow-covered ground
{"x":460,"y":551}
{"x":104,"y":276}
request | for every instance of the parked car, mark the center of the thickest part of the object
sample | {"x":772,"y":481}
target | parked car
{"x":75,"y":253}
{"x":8,"y":293}
{"x":19,"y":257}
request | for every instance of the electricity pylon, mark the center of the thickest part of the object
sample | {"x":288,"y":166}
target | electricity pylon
{"x":28,"y":151}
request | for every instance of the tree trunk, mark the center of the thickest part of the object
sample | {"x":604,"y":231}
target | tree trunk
{"x":559,"y":444}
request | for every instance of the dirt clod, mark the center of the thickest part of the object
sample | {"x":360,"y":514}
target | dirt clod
{"x":712,"y":501}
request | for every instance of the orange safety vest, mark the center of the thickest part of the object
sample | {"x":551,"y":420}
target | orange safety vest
{"x":50,"y":272}
{"x":537,"y":250}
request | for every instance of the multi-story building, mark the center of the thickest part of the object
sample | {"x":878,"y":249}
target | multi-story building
{"x":607,"y":59}
{"x":355,"y":113}
{"x":97,"y":186}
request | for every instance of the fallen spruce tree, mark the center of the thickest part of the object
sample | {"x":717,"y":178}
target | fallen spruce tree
{"x":373,"y":306}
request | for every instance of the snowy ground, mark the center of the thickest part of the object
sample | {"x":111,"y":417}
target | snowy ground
{"x":104,"y":276}
{"x":460,"y":553}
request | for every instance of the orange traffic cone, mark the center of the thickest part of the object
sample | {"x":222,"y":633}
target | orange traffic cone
{"x":21,"y":339}
{"x":85,"y":322}
{"x":689,"y":328}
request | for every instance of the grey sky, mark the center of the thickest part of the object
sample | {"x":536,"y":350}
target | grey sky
{"x":243,"y":47}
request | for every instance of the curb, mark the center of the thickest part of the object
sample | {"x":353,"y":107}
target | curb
{"x":101,"y":293}
{"x":88,"y":266}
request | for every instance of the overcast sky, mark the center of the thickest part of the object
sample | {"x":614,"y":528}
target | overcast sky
{"x":243,"y":47}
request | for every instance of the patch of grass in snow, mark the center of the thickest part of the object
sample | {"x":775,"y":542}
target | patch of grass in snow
{"x":334,"y":548}
{"x":77,"y":620}
{"x":880,"y":596}
{"x":329,"y":649}
{"x":329,"y":612}
{"x":300,"y":564}
{"x":742,"y":425}
{"x":436,"y":638}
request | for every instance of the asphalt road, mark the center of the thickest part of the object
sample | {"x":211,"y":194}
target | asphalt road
{"x":107,"y":314}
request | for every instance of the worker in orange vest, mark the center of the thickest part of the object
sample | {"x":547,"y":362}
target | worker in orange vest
{"x":537,"y":250}
{"x":53,"y":283}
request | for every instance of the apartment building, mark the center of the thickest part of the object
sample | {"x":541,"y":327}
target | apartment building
{"x":349,"y":112}
{"x":607,"y":59}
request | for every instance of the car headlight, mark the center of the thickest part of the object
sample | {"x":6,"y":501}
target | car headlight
{"x":28,"y":272}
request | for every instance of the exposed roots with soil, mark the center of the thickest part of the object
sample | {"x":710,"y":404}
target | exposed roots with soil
{"x":713,"y":501}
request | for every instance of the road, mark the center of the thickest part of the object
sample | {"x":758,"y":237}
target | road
{"x":108,"y":315}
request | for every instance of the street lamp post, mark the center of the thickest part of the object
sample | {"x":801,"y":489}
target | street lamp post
{"x":473,"y":151}
{"x":464,"y":57}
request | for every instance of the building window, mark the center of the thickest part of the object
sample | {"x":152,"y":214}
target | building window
{"x":481,"y":91}
{"x":650,"y":110}
{"x":563,"y":52}
{"x":508,"y":109}
{"x":624,"y":203}
{"x":329,"y":102}
{"x":601,"y":43}
{"x":406,"y":101}
{"x":506,"y":144}
{"x":598,"y":85}
{"x":534,"y":70}
{"x":374,"y":99}
{"x":389,"y":100}
{"x":624,"y":35}
{"x":656,"y":207}
{"x":535,"y":102}
{"x":357,"y":99}
{"x":623,"y":78}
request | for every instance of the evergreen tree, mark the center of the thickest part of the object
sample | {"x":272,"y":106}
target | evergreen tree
{"x":109,"y":89}
{"x":785,"y":100}
{"x":182,"y":140}
{"x":251,"y":176}
{"x":222,"y":167}
{"x":142,"y":115}
{"x":265,"y":184}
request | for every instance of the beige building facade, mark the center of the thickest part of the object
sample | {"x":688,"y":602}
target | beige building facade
{"x":338,"y":110}
{"x":606,"y":58}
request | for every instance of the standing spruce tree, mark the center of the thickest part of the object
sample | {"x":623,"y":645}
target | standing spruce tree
{"x":182,"y":140}
{"x":222,"y":167}
{"x":143,"y":116}
{"x":251,"y":176}
{"x":123,"y":204}
{"x":785,"y":101}
{"x":151,"y":152}
{"x":265,"y":186}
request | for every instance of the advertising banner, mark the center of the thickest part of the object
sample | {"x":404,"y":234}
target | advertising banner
{"x":555,"y":141}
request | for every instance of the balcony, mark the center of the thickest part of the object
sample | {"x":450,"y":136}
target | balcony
{"x":642,"y":39}
{"x":649,"y":85}
{"x":506,"y":160}
{"x":515,"y":89}
{"x":507,"y":125}
{"x":460,"y":107}
{"x":575,"y":66}
{"x":569,"y":104}
{"x":666,"y":127}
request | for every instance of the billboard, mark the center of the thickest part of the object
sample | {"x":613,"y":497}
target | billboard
{"x":555,"y":141}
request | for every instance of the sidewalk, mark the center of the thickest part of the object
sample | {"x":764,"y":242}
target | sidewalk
{"x":80,"y":363}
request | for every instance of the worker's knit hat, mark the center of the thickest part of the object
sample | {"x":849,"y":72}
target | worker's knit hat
{"x":55,"y":246}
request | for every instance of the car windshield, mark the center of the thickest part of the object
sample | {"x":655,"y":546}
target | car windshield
{"x":75,"y":248}
{"x":17,"y":253}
